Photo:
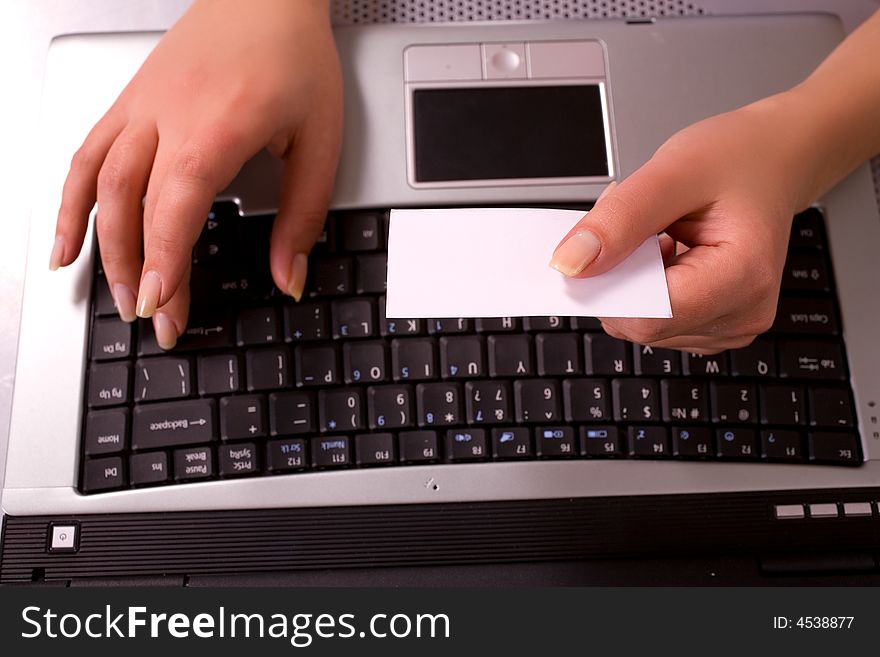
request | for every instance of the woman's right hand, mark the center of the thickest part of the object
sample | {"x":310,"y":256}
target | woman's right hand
{"x":230,"y":78}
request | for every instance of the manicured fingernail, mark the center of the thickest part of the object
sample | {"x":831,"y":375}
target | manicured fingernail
{"x":57,"y":253}
{"x":298,"y":270}
{"x":605,"y":191}
{"x":575,"y":253}
{"x":125,"y":301}
{"x":149,"y":294}
{"x":166,"y":331}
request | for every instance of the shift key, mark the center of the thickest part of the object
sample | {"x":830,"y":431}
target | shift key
{"x":172,"y":424}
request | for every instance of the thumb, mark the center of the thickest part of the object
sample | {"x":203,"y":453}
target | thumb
{"x":624,"y":216}
{"x":306,"y":189}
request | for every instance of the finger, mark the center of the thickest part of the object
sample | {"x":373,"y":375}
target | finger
{"x":194,"y":175}
{"x":706,"y":292}
{"x":697,"y":344}
{"x":667,"y":248}
{"x":80,"y":190}
{"x":122,"y":183}
{"x":169,"y":321}
{"x":651,"y":199}
{"x":307,"y":185}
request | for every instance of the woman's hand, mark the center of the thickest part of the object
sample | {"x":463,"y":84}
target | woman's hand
{"x":230,"y":78}
{"x":726,"y":189}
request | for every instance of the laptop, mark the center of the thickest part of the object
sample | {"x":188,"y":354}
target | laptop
{"x":322,"y":437}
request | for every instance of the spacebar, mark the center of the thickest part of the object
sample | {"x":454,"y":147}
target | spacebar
{"x":174,"y":423}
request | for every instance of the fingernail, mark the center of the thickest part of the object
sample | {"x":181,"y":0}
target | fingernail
{"x":575,"y":253}
{"x":166,"y":331}
{"x":605,"y":191}
{"x":148,"y":294}
{"x":57,"y":253}
{"x":298,"y":271}
{"x":125,"y":301}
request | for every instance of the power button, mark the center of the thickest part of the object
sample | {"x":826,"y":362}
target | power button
{"x":63,"y":537}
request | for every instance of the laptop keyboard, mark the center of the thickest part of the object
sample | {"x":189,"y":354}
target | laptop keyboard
{"x":262,"y":386}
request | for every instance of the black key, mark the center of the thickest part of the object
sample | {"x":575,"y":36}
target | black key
{"x":653,"y":361}
{"x":684,"y":401}
{"x":258,"y":326}
{"x":510,"y":355}
{"x":734,"y":403}
{"x":449,"y":325}
{"x":439,"y":404}
{"x":104,"y":304}
{"x":106,"y":431}
{"x":365,"y":362}
{"x":193,"y":463}
{"x":607,"y":356}
{"x":286,"y":455}
{"x":552,"y":323}
{"x":108,"y":384}
{"x":601,"y":440}
{"x":756,"y":360}
{"x":216,"y":241}
{"x":306,"y":321}
{"x":833,"y":447}
{"x":291,"y":413}
{"x":487,"y":402}
{"x":205,"y":330}
{"x":651,"y":442}
{"x":374,"y":449}
{"x":238,"y":459}
{"x":397,"y":326}
{"x":172,"y":423}
{"x":692,"y":442}
{"x":806,"y":230}
{"x":316,"y":365}
{"x":331,"y":452}
{"x":148,"y":468}
{"x":390,"y":407}
{"x":267,"y":369}
{"x":466,"y":445}
{"x":462,"y":357}
{"x":242,"y":417}
{"x":806,"y":271}
{"x":702,"y":365}
{"x":635,"y":400}
{"x":413,"y":359}
{"x":111,"y":338}
{"x":161,"y":378}
{"x":360,"y":231}
{"x":235,"y":284}
{"x":811,"y":360}
{"x":418,"y":446}
{"x":340,"y":410}
{"x":512,"y":443}
{"x":586,"y":400}
{"x":737,"y":443}
{"x":371,"y":273}
{"x":553,"y":442}
{"x":219,"y":374}
{"x":782,"y":404}
{"x":353,"y":318}
{"x":327,"y":240}
{"x":806,"y":315}
{"x":332,"y":276}
{"x":537,"y":400}
{"x":498,"y":324}
{"x":559,"y":354}
{"x":103,"y":474}
{"x":782,"y":445}
{"x":831,"y":407}
{"x":586,"y":324}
